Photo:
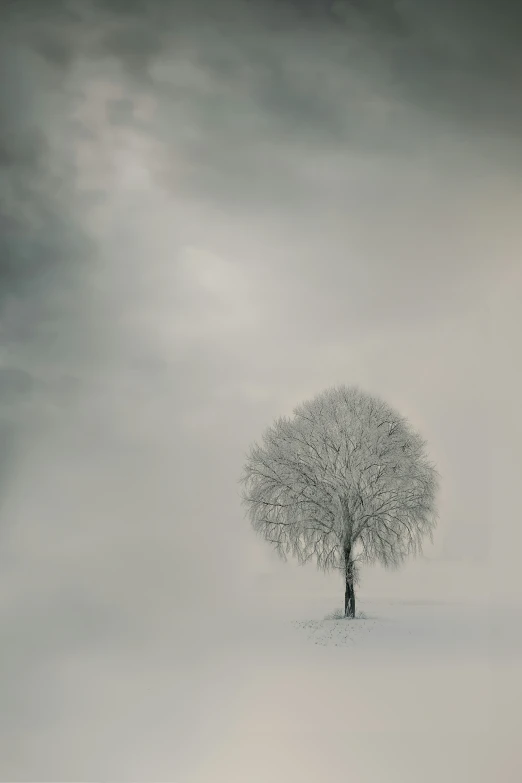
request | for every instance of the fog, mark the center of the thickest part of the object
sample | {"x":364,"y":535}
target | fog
{"x":209,"y":213}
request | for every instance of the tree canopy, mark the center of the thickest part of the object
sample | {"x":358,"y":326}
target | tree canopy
{"x":345,"y":480}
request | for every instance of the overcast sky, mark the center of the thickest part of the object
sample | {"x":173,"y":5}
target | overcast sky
{"x":211,"y":211}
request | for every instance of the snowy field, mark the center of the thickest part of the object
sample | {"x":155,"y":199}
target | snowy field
{"x":416,"y":691}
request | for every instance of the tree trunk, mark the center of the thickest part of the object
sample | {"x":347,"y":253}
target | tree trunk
{"x":349,"y":591}
{"x":349,"y":597}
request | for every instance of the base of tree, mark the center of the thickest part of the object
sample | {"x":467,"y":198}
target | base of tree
{"x":339,"y":614}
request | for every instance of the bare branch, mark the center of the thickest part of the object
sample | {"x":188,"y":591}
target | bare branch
{"x":345,"y":480}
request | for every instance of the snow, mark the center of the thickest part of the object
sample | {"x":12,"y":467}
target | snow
{"x":275,"y":688}
{"x":415,"y":691}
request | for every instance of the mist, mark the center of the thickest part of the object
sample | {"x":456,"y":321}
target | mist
{"x":208,"y":215}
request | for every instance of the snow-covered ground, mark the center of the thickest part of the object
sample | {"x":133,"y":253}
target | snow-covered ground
{"x":272,"y":690}
{"x":414,"y":692}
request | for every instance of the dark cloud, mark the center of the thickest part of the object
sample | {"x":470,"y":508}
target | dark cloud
{"x":43,"y":249}
{"x":14,"y":382}
{"x":460,"y":61}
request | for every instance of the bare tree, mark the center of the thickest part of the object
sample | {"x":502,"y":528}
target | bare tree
{"x":346,"y":480}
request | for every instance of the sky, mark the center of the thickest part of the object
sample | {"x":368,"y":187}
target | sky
{"x":209,"y":213}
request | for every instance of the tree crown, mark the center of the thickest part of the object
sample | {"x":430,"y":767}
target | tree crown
{"x":345,"y":478}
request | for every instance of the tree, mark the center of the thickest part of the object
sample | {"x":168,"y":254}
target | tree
{"x":346,"y":480}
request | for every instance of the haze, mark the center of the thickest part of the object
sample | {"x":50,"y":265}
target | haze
{"x":209,"y":213}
